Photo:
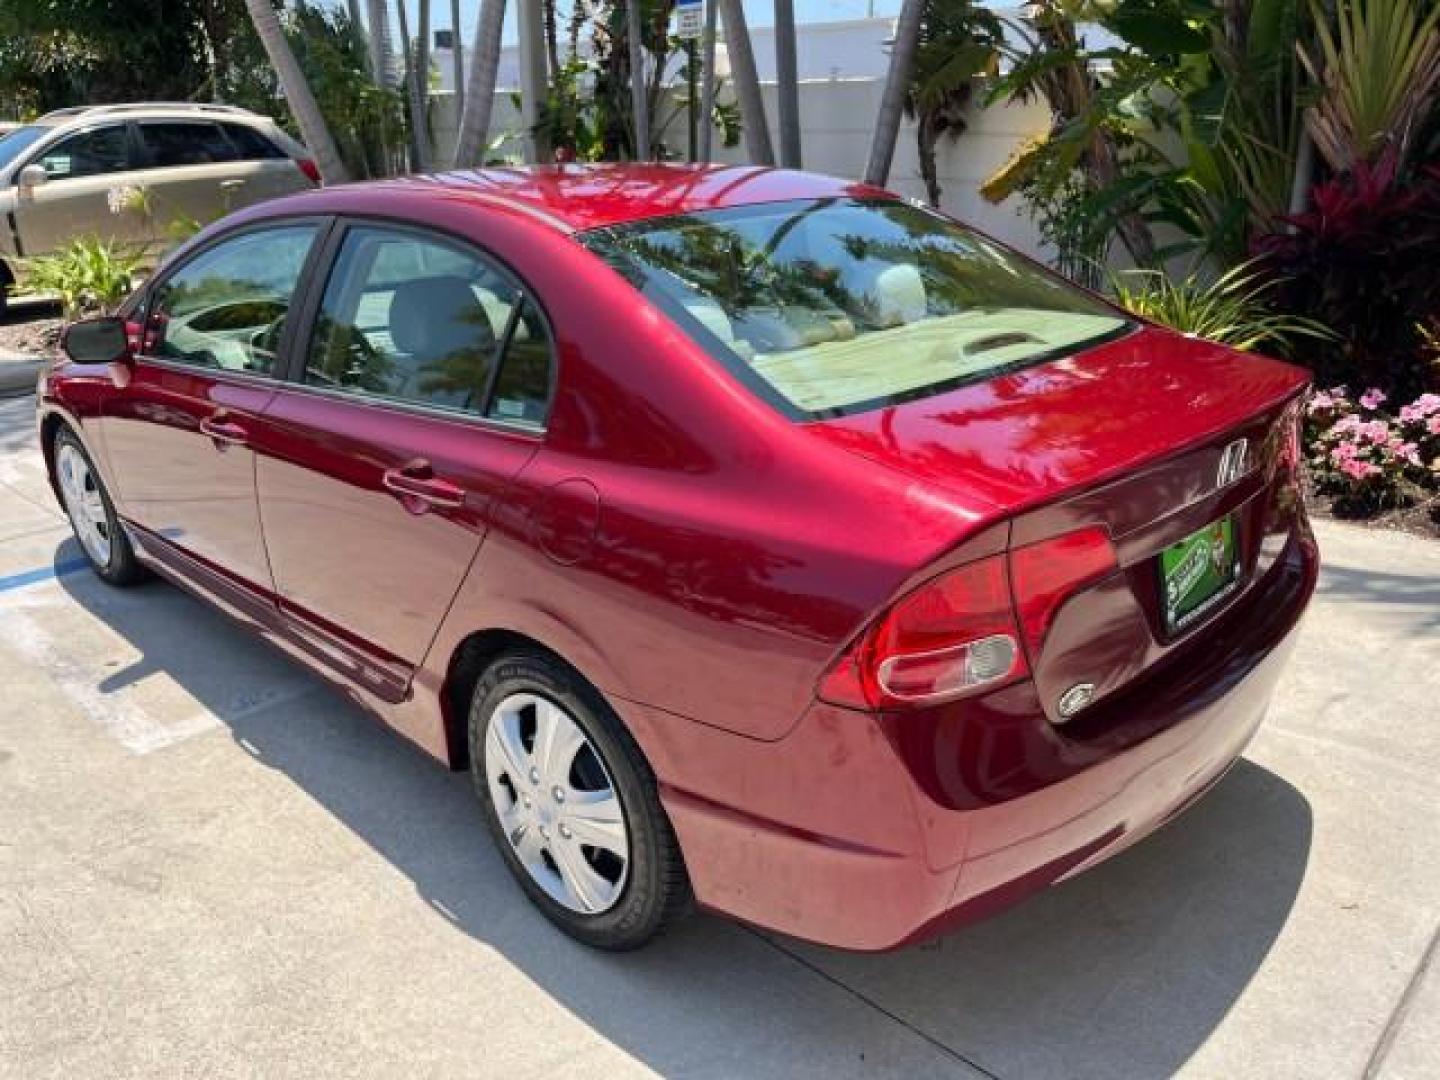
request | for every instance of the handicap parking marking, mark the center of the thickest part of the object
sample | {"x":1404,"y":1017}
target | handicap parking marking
{"x":52,"y":631}
{"x":42,"y":573}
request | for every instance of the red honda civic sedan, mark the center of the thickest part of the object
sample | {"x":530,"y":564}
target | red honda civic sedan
{"x":756,"y":539}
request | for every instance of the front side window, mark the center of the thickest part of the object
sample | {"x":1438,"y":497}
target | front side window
{"x":834,"y":306}
{"x":89,"y":153}
{"x":226,"y":307}
{"x":169,"y":145}
{"x":423,"y":321}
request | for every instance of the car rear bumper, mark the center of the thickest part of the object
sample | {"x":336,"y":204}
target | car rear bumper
{"x":827,"y":835}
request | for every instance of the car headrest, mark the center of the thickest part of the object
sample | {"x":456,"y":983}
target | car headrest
{"x":897,"y":295}
{"x":434,"y":317}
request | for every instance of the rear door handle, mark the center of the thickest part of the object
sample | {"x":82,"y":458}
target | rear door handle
{"x":419,"y":488}
{"x":232,"y":183}
{"x":224,"y":432}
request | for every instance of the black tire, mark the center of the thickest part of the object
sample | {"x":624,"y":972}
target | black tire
{"x":121,"y":568}
{"x":656,"y":889}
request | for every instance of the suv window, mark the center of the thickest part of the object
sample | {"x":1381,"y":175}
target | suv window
{"x":88,"y":153}
{"x":251,"y":145}
{"x":426,"y":321}
{"x":185,"y":143}
{"x":226,"y":307}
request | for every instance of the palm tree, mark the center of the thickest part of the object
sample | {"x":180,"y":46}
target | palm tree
{"x":480,"y":93}
{"x":457,"y":55}
{"x":958,"y":41}
{"x":892,"y":99}
{"x":747,"y":82}
{"x":378,"y":19}
{"x":413,"y":52}
{"x":297,"y":92}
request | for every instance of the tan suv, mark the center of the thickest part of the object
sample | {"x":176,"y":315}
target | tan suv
{"x":128,"y":172}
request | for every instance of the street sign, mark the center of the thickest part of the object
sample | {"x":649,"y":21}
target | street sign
{"x":689,"y":18}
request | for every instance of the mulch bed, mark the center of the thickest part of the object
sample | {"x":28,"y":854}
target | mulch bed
{"x":38,"y":337}
{"x":1422,"y":519}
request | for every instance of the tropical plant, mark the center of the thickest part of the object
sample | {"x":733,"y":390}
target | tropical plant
{"x":1190,"y":123}
{"x":366,"y":121}
{"x":90,"y":275}
{"x":298,"y":94}
{"x":1377,"y":64}
{"x":959,"y":41}
{"x":1233,"y":309}
{"x":1363,"y":259}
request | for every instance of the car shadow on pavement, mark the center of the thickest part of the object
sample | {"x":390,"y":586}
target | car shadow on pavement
{"x":1123,"y":972}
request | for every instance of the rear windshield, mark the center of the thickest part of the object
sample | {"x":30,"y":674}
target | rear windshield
{"x":835,"y":306}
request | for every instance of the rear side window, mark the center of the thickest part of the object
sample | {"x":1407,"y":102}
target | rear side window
{"x":431,"y":323}
{"x":171,"y":144}
{"x":89,"y":153}
{"x":226,"y":308}
{"x":251,"y":145}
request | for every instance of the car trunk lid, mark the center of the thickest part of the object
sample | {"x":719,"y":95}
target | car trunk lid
{"x":1139,"y":437}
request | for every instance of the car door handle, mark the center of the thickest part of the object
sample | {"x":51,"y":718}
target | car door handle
{"x":419,"y":488}
{"x":232,"y":183}
{"x":223,"y":432}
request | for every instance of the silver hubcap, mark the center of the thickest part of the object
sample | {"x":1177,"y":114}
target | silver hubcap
{"x":556,"y":803}
{"x":84,"y":503}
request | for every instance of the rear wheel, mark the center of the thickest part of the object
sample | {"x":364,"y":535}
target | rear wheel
{"x":92,"y":515}
{"x":572,"y":804}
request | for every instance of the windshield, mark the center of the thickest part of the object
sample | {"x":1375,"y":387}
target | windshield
{"x":834,"y":306}
{"x":17,"y":142}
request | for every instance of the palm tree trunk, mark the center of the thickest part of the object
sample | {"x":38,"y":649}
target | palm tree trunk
{"x":788,"y":92}
{"x":747,"y":83}
{"x":379,"y":28}
{"x":457,"y":57}
{"x":297,"y":92}
{"x":707,"y":97}
{"x":419,"y":148}
{"x":552,"y":36}
{"x":357,"y":28}
{"x":640,"y":112}
{"x":892,"y":100}
{"x":926,"y":138}
{"x":480,"y":93}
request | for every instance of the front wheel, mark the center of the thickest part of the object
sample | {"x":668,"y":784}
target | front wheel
{"x":92,"y":515}
{"x":572,"y":804}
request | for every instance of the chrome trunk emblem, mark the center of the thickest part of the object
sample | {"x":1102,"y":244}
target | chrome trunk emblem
{"x":1234,"y":461}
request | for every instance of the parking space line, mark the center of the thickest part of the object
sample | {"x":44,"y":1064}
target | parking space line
{"x":43,"y":573}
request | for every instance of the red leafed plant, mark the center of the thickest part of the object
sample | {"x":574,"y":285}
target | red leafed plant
{"x":1365,"y":261}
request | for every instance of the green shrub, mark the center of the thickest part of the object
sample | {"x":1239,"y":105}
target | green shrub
{"x":1233,"y":309}
{"x":90,"y":275}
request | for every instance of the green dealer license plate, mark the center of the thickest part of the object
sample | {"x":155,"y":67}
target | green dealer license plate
{"x":1198,"y":573}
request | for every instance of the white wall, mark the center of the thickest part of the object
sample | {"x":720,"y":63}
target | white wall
{"x":837,"y":118}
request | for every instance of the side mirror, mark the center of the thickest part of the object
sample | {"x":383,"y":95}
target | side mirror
{"x":31,"y":177}
{"x":97,"y":341}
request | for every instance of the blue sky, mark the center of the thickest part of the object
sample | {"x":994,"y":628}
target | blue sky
{"x":757,"y":12}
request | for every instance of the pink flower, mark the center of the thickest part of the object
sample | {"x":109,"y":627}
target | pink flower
{"x":1408,"y":452}
{"x":1409,"y":413}
{"x":1426,"y":404}
{"x":1321,"y":401}
{"x":1358,"y":470}
{"x":1346,"y":451}
{"x":1434,"y":426}
{"x":1372,"y":398}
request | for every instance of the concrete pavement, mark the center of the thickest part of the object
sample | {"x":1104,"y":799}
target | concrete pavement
{"x":210,"y":865}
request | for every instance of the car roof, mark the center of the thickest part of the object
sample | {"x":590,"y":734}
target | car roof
{"x":578,"y":197}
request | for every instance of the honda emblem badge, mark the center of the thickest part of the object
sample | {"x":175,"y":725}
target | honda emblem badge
{"x":1233,"y":460}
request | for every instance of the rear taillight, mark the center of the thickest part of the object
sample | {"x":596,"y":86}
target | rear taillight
{"x":310,"y":169}
{"x":1048,"y":573}
{"x":959,"y":633}
{"x":951,"y":636}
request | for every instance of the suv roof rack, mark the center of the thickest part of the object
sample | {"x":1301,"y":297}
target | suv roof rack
{"x":141,"y":106}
